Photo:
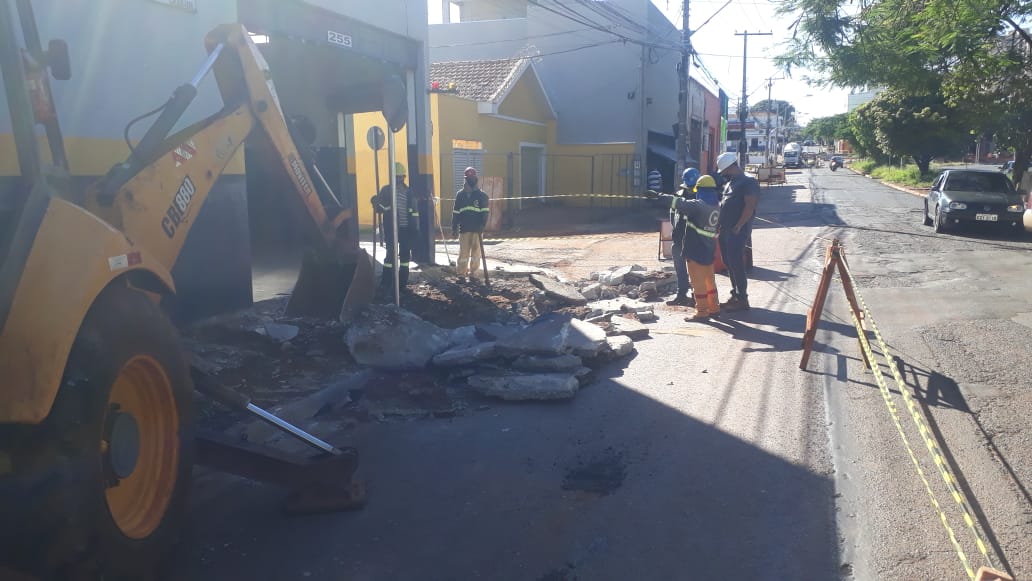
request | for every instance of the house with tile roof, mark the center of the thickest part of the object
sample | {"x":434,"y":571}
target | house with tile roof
{"x":493,"y":115}
{"x":609,"y":69}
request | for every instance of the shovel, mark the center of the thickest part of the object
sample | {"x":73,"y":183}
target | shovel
{"x":483,"y":257}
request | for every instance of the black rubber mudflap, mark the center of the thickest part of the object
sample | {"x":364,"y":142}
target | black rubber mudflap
{"x":330,"y":289}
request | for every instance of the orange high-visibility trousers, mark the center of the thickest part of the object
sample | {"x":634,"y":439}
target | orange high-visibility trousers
{"x":704,"y":285}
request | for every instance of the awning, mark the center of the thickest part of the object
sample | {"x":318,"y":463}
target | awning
{"x":665,"y":151}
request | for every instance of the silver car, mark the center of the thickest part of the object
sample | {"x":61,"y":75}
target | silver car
{"x":973,"y":196}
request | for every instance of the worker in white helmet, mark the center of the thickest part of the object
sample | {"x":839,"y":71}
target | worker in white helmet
{"x":737,"y":208}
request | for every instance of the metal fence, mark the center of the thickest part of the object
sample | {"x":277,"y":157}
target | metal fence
{"x":532,"y":178}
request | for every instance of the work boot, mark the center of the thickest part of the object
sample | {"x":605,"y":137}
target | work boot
{"x":697,"y":318}
{"x":681,"y":301}
{"x":738,"y":304}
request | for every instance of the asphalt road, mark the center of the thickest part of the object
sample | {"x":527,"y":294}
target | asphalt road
{"x":709,"y":454}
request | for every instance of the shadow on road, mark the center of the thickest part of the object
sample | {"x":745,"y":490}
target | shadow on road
{"x":612,"y":485}
{"x":941,"y":391}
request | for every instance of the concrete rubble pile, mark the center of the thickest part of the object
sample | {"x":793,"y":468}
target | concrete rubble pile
{"x":549,"y":358}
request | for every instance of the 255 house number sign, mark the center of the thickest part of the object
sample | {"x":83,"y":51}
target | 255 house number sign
{"x":338,"y":38}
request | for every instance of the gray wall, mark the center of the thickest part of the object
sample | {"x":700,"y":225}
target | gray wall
{"x":481,"y":40}
{"x":127,"y":57}
{"x":405,"y":17}
{"x":589,"y":87}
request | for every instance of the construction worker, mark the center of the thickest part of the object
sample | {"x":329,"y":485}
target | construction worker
{"x":468,"y":221}
{"x":737,"y":207}
{"x":408,"y":228}
{"x":700,"y":247}
{"x":679,"y":222}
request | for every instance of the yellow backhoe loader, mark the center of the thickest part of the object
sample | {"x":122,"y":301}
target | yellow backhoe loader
{"x":97,"y":438}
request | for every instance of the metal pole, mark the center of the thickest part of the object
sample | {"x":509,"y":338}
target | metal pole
{"x":376,"y":170}
{"x":18,"y":102}
{"x":770,"y":158}
{"x":743,"y":145}
{"x":684,"y":94}
{"x":391,"y":161}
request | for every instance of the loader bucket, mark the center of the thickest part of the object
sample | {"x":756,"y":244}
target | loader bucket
{"x":329,"y":289}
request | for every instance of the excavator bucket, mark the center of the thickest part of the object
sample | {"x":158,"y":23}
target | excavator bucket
{"x":331,"y":288}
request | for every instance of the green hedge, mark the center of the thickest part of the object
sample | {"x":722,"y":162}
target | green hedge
{"x":907,"y":175}
{"x":863,"y":166}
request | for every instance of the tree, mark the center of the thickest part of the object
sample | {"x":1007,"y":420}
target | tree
{"x":829,"y":129}
{"x":972,"y":53}
{"x":923,"y":127}
{"x":863,"y":125}
{"x":776,"y":106}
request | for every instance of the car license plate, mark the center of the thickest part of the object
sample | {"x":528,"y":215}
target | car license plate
{"x":986,"y":217}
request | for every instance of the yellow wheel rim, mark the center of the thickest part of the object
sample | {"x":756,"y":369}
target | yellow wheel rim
{"x":138,"y":502}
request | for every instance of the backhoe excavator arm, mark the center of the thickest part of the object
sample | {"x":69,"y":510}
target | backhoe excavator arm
{"x":155,"y":195}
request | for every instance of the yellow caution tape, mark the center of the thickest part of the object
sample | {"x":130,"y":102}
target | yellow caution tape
{"x":922,"y":427}
{"x":529,"y":198}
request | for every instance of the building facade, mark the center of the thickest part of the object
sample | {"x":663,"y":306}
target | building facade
{"x":609,"y":69}
{"x":330,"y":64}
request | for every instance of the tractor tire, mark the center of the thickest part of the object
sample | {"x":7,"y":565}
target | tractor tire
{"x":119,"y":448}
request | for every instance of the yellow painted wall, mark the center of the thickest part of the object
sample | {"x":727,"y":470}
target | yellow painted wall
{"x":363,"y":165}
{"x":455,"y":118}
{"x":580,"y":176}
{"x":525,"y":100}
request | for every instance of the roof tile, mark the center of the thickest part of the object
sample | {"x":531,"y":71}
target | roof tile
{"x":475,"y":80}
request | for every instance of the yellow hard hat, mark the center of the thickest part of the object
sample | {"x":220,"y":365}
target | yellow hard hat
{"x":399,"y":169}
{"x":706,"y":181}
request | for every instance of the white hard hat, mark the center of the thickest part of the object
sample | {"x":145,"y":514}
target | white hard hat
{"x":726,"y":160}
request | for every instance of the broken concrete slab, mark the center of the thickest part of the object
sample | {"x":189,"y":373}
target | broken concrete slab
{"x":280,"y":333}
{"x":620,"y":345}
{"x":465,"y":355}
{"x":629,"y":327}
{"x":620,"y":305}
{"x":584,"y":375}
{"x":585,"y":339}
{"x":536,"y":386}
{"x":647,"y":316}
{"x":463,"y":337}
{"x":547,"y":335}
{"x":508,"y":270}
{"x":558,"y":290}
{"x":536,"y":363}
{"x":387,"y":337}
{"x":496,"y":331}
{"x":615,"y":277}
{"x":591,"y":291}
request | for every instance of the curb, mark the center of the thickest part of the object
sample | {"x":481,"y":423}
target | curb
{"x":911,"y":191}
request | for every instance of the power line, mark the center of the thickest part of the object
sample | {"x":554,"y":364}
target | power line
{"x":528,"y":37}
{"x":605,"y":29}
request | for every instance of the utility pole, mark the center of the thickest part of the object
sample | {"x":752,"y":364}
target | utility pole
{"x":743,"y":110}
{"x":683,"y":101}
{"x":771,"y":152}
